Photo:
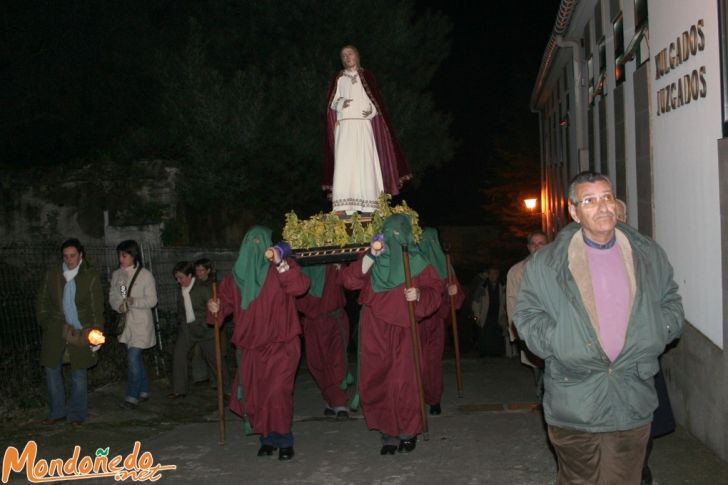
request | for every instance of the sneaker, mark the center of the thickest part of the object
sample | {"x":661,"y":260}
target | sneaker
{"x":143,"y":396}
{"x":52,"y":421}
{"x":329,"y":412}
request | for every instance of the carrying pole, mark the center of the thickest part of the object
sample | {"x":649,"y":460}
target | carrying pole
{"x":218,"y":365}
{"x":416,"y":350}
{"x":454,"y":320}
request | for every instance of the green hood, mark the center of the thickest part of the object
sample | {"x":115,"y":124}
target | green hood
{"x":388,"y":270}
{"x":317,"y":275}
{"x":251,"y":268}
{"x":432,"y":251}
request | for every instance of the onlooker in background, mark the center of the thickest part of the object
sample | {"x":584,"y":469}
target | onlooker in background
{"x":433,"y":328}
{"x":663,"y":421}
{"x":192,"y":327}
{"x":599,"y":304}
{"x":203,"y":268}
{"x":620,"y":211}
{"x":489,"y":312}
{"x":200,"y":371}
{"x":326,"y":335}
{"x":69,"y":296}
{"x":535,"y":241}
{"x":133,"y":292}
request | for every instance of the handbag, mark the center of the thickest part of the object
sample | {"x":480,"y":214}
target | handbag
{"x":120,"y":323}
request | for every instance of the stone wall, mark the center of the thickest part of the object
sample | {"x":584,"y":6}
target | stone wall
{"x":54,"y":203}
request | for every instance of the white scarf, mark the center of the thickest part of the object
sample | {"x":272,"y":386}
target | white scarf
{"x":69,"y":274}
{"x":189,"y":312}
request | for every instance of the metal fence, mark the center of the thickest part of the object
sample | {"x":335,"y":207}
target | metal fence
{"x":23,"y":266}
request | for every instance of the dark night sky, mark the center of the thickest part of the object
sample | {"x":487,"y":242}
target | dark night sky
{"x":485,"y":85}
{"x":491,"y":71}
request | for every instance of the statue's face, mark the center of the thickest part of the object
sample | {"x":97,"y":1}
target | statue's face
{"x":349,"y":58}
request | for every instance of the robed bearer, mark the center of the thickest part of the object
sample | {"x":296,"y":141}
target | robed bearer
{"x":433,"y":328}
{"x":261,"y":296}
{"x":326,"y":335}
{"x":598,"y":304}
{"x":387,"y":375}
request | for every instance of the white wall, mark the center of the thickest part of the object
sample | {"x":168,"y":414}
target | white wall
{"x":685,"y":160}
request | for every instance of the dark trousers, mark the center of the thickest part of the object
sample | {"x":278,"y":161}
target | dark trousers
{"x":613,"y":458}
{"x":182,"y":348}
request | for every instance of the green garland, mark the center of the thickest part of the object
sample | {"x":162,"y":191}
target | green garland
{"x":328,"y":229}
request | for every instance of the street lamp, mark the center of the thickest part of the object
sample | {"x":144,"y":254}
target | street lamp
{"x":530,"y":203}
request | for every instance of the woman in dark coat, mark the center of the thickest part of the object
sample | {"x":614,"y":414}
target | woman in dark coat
{"x":69,"y":300}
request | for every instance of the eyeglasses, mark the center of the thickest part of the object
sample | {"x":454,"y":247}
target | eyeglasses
{"x":594,"y":200}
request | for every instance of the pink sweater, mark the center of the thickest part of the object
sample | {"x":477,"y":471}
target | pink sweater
{"x":611,"y":295}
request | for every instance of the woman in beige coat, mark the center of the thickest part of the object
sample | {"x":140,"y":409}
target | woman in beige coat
{"x":136,"y":304}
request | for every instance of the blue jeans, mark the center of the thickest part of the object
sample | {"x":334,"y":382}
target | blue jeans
{"x":137,"y":382}
{"x":77,"y":409}
{"x":278,"y":440}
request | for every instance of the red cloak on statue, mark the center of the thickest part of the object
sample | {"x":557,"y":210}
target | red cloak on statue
{"x":395,"y":168}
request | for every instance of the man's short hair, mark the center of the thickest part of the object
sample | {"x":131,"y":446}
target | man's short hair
{"x":74,"y":243}
{"x":184,"y":267}
{"x":205,"y":263}
{"x":586,"y":177}
{"x":532,"y":234}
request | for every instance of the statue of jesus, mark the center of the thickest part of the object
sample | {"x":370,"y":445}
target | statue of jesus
{"x":363,"y":158}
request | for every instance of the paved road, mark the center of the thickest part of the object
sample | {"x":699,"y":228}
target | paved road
{"x":490,"y":436}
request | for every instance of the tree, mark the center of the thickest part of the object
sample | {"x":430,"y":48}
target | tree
{"x":244,"y":103}
{"x":232,"y":91}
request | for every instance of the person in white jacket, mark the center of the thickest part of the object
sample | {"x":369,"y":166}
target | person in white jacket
{"x":133,"y":293}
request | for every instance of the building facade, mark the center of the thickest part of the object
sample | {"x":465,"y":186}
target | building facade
{"x":638,"y":90}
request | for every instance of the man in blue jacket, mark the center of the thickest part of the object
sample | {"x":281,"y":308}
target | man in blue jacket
{"x":599,"y":305}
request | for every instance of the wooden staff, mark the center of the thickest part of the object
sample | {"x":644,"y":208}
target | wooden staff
{"x":415,"y":342}
{"x":218,"y":364}
{"x":454,"y":319}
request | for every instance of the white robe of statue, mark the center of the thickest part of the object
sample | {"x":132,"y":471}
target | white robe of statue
{"x":357,"y":172}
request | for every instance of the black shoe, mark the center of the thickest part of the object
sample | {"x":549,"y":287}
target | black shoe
{"x":342,"y":415}
{"x":52,"y":421}
{"x":128,"y":405}
{"x":388,"y":450}
{"x":285,"y":453}
{"x":329,"y":412}
{"x":435,"y":409}
{"x":266,"y":450}
{"x":646,"y":476}
{"x":405,"y":446}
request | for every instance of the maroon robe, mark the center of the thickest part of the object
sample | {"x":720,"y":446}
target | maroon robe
{"x":387,"y":380}
{"x":432,"y":336}
{"x":395,"y":168}
{"x":267,"y":334}
{"x":326,"y":335}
